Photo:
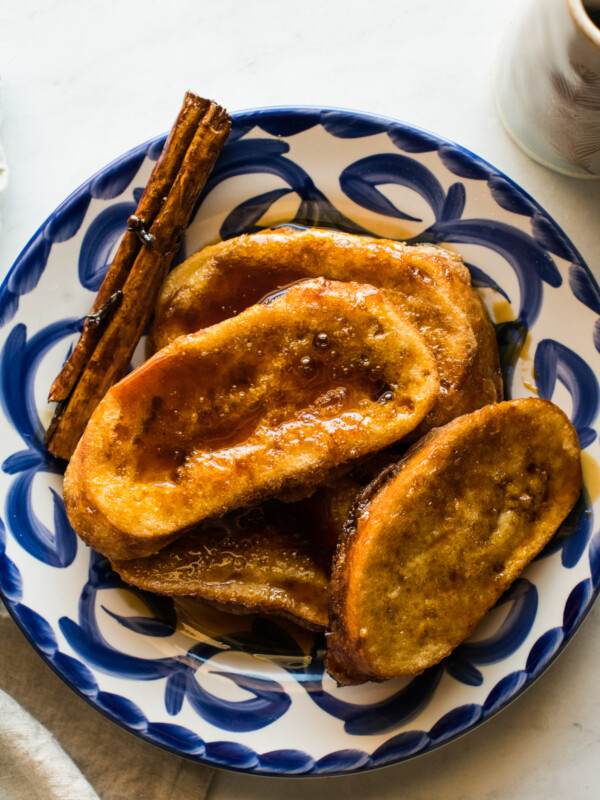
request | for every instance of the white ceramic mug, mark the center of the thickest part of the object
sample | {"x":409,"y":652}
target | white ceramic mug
{"x":547,"y":84}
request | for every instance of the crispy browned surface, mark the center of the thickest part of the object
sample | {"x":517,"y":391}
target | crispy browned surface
{"x":262,"y":560}
{"x":272,"y":559}
{"x":438,"y":540}
{"x":429,"y":284}
{"x":244,"y":410}
{"x":483,"y":383}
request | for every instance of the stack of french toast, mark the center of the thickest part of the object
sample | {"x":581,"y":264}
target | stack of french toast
{"x":319,"y":433}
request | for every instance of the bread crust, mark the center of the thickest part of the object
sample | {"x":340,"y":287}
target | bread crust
{"x":436,"y":539}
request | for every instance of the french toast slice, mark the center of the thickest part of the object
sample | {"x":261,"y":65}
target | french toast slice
{"x":274,"y":558}
{"x":435,"y":540}
{"x":429,"y":284}
{"x":270,"y":400}
{"x":264,"y":560}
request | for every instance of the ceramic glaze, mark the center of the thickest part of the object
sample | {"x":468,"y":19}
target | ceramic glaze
{"x":251,"y":694}
{"x":547,"y":85}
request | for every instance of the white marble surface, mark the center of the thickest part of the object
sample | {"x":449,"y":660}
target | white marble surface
{"x":83,"y":82}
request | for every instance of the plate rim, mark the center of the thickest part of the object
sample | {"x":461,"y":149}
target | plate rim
{"x":256,"y":113}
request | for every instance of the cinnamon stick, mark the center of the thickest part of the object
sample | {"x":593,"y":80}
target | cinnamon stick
{"x":161,"y":179}
{"x":104,"y":351}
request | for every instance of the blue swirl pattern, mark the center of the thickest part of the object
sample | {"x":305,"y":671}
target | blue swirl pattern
{"x":19,"y":360}
{"x":268,"y":702}
{"x":553,"y":361}
{"x":538,"y":259}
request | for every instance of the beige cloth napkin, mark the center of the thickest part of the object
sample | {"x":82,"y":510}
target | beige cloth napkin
{"x":33,"y":766}
{"x":36,"y":756}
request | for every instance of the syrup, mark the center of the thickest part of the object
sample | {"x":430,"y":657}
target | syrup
{"x":502,"y":311}
{"x":201,"y":622}
{"x":243,"y":287}
{"x":591,"y":475}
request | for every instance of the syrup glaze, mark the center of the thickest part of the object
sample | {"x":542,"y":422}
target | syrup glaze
{"x":199,"y":413}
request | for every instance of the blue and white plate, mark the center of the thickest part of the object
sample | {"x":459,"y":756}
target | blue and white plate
{"x":250,"y":694}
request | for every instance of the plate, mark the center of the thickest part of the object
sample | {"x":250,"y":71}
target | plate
{"x":250,"y":693}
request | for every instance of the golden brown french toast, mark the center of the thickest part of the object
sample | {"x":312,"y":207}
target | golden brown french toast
{"x":272,"y":399}
{"x":430,"y":285}
{"x":435,"y":540}
{"x":257,"y":560}
{"x":273,"y":559}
